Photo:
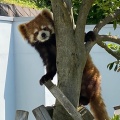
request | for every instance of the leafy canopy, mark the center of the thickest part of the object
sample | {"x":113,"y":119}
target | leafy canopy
{"x":99,"y":10}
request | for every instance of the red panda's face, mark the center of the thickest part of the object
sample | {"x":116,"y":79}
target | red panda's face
{"x":42,"y":34}
{"x":38,"y":29}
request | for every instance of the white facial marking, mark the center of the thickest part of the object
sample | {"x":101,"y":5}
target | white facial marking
{"x":31,"y":38}
{"x":43,"y":38}
{"x":42,"y":27}
{"x":51,"y":28}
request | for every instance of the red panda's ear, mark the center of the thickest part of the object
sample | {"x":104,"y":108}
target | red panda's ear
{"x":23,"y":30}
{"x":49,"y":15}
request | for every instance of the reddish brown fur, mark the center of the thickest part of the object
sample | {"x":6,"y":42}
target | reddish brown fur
{"x":44,"y":18}
{"x":92,"y":90}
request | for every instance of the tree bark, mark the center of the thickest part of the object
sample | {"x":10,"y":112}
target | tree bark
{"x":71,"y":51}
{"x":70,"y":61}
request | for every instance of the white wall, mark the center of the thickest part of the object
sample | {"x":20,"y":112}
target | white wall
{"x":7,"y":89}
{"x":28,"y":70}
{"x":22,"y":68}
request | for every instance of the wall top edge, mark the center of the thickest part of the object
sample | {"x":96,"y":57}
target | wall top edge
{"x":19,"y":19}
{"x":5,"y":18}
{"x":14,"y":19}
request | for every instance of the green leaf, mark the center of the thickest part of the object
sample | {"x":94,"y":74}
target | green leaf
{"x":116,"y":67}
{"x":110,"y":66}
{"x":115,"y":24}
{"x":116,"y":117}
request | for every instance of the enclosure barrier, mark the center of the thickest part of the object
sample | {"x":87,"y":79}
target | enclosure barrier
{"x":41,"y":113}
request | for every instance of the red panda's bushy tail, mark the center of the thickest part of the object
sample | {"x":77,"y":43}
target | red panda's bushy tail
{"x":98,"y":108}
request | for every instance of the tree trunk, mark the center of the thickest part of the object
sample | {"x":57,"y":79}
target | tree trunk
{"x":69,"y":67}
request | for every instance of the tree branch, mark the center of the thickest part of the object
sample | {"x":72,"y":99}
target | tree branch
{"x":66,"y":9}
{"x":108,"y":38}
{"x":99,"y":40}
{"x":105,"y":21}
{"x":89,"y":45}
{"x":113,"y":53}
{"x":82,"y":17}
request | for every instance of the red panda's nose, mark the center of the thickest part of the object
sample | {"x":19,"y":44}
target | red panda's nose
{"x":43,"y":35}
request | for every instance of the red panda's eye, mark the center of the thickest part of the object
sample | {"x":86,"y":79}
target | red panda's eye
{"x":45,"y":28}
{"x":36,"y":33}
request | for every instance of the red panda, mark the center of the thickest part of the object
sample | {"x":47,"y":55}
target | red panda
{"x":39,"y":33}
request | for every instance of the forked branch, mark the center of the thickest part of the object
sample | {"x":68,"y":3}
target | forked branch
{"x":99,"y":38}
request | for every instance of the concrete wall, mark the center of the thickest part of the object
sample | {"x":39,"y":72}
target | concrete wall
{"x":21,"y":69}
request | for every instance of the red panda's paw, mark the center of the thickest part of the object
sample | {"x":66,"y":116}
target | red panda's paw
{"x":44,"y":79}
{"x":90,"y":36}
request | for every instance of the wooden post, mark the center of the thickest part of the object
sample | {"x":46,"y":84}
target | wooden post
{"x":41,"y":113}
{"x":72,"y":111}
{"x":50,"y":110}
{"x":21,"y":115}
{"x":85,"y":113}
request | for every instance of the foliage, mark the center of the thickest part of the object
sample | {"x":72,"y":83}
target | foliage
{"x":42,"y":3}
{"x":99,"y":10}
{"x":116,"y":117}
{"x":23,"y":3}
{"x":114,"y":47}
{"x":95,"y":15}
{"x":115,"y":64}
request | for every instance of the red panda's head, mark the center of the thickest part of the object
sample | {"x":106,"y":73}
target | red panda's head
{"x":38,"y":29}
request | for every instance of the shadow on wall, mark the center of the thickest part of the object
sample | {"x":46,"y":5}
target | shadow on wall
{"x":9,"y":92}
